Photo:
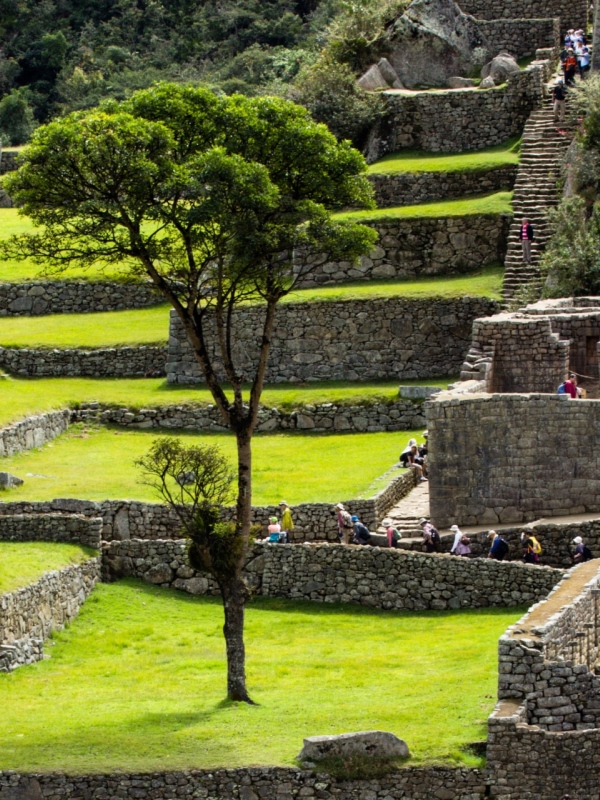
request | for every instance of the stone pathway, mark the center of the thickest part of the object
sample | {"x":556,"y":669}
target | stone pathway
{"x":406,"y":514}
{"x":535,"y":191}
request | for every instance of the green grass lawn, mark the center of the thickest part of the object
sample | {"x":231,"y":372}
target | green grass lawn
{"x":12,"y":223}
{"x":23,"y":397}
{"x":97,"y":463}
{"x":498,"y":203}
{"x":22,"y":563}
{"x":137,"y":683}
{"x":469,"y":161}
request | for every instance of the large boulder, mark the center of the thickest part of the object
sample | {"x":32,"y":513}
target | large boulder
{"x":377,"y":744}
{"x":8,"y":481}
{"x":500,"y":68}
{"x":434,"y":41}
{"x":380,"y":76}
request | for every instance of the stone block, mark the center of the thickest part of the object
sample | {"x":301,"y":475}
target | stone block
{"x":376,"y":744}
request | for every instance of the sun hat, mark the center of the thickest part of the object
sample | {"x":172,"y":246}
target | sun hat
{"x":491,"y":534}
{"x":340,"y":505}
{"x":272,"y":519}
{"x":387,"y":522}
{"x":422,"y":520}
{"x":425,"y":434}
{"x":454,"y":528}
{"x":578,"y":540}
{"x":355,"y":518}
{"x":282,"y":503}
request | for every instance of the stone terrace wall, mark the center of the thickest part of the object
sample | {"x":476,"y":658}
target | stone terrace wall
{"x":359,"y":340}
{"x":111,"y":362}
{"x":29,"y":615}
{"x":412,"y":188}
{"x":68,"y":528}
{"x":457,"y":120}
{"x":371,"y":576}
{"x":522,"y":37}
{"x":268,"y":783}
{"x":512,"y":458}
{"x":69,"y":297}
{"x":33,"y":431}
{"x":411,"y":248}
{"x":397,"y":416}
{"x":123,"y":519}
{"x":571,"y":15}
{"x":8,"y":161}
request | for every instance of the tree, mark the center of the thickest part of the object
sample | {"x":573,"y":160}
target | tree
{"x":16,"y":118}
{"x":209,"y":197}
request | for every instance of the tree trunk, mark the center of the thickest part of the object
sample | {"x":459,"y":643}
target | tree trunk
{"x":235,"y":595}
{"x":596,"y":38}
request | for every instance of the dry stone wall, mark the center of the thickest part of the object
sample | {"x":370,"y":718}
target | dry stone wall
{"x":412,"y":188}
{"x":8,"y":160}
{"x":110,"y":362}
{"x":65,"y":528}
{"x":31,"y":614}
{"x":571,"y":15}
{"x":371,"y":576}
{"x":348,"y":340}
{"x":69,"y":297}
{"x":410,"y":248}
{"x":522,"y":37}
{"x":33,"y":431}
{"x":512,"y":458}
{"x":458,"y":120}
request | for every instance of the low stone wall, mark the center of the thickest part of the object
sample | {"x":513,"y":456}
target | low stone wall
{"x":69,"y":297}
{"x":400,"y":415}
{"x":268,"y":783}
{"x":456,"y":120}
{"x":522,"y":37}
{"x":66,"y":528}
{"x":356,"y":340}
{"x":31,"y":614}
{"x":123,"y":519}
{"x":33,"y":431}
{"x":410,"y":248}
{"x":371,"y":576}
{"x":572,"y":15}
{"x":111,"y":362}
{"x":412,"y":188}
{"x":511,"y":458}
{"x":8,"y":161}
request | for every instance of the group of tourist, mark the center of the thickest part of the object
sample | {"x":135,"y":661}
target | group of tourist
{"x":575,"y":56}
{"x":414,"y":457}
{"x":279,"y":530}
{"x":570,"y":388}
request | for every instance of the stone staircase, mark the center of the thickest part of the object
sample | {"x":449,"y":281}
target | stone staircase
{"x":535,"y":191}
{"x":406,"y":514}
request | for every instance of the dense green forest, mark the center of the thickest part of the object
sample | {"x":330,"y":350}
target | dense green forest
{"x":58,"y":56}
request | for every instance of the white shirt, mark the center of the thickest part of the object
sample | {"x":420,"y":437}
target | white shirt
{"x":457,"y":537}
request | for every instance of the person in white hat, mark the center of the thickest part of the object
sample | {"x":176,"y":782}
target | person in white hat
{"x":287,"y":523}
{"x":345,"y":526}
{"x":458,"y":534}
{"x":582,"y":551}
{"x":392,"y":533}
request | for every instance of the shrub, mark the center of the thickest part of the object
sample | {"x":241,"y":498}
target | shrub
{"x":328,"y":89}
{"x":359,"y":35}
{"x":16,"y":118}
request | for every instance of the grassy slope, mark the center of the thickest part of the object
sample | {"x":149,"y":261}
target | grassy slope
{"x":98,"y":463}
{"x":24,"y":562}
{"x":151,"y":325}
{"x":23,"y":397}
{"x":20,"y":271}
{"x":498,"y":203}
{"x":469,"y":161}
{"x":137,"y":683}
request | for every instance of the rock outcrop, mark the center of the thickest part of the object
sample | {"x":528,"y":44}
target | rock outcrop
{"x":434,"y":41}
{"x":500,"y":68}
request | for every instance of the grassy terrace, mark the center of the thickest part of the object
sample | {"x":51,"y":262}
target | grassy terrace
{"x":22,"y":563}
{"x":136,"y":683}
{"x":469,"y":161}
{"x":97,"y":463}
{"x":498,"y":203}
{"x":23,"y":397}
{"x":151,"y":325}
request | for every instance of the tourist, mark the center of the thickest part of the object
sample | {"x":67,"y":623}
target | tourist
{"x":532,"y":549}
{"x":582,"y":551}
{"x":431,"y":536}
{"x":287,"y":523}
{"x":458,"y":534}
{"x":344,"y":521}
{"x":564,"y":54}
{"x":274,"y":526}
{"x":499,"y":546}
{"x":423,"y":448}
{"x":570,"y":386}
{"x":463,"y":548}
{"x":559,"y":95}
{"x":570,"y":67}
{"x":361,"y":532}
{"x":410,"y":459}
{"x":526,"y":237}
{"x":393,"y":534}
{"x":583,"y":61}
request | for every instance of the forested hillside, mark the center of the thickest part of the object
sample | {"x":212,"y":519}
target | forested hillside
{"x":62,"y":55}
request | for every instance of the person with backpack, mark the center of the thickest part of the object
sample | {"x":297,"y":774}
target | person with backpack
{"x":431,"y":537}
{"x":532,"y":548}
{"x":361,"y":532}
{"x":559,"y":97}
{"x":582,"y":551}
{"x":344,"y":521}
{"x":499,"y":547}
{"x":458,"y":535}
{"x":393,"y":534}
{"x":570,"y":66}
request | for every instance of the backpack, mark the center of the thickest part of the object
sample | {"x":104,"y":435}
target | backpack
{"x":536,"y":546}
{"x":435,"y":535}
{"x":587,"y":553}
{"x":561,"y":389}
{"x":503,"y":547}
